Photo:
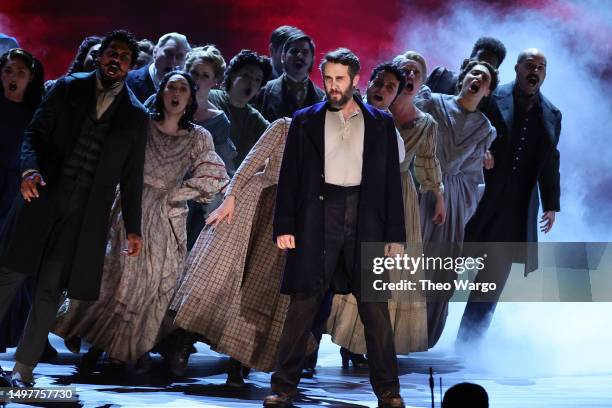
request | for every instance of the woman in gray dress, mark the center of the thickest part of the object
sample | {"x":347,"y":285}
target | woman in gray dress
{"x":135,"y":292}
{"x":464,"y":137}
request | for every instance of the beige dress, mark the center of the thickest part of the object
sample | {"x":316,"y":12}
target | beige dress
{"x":231,"y":290}
{"x":408,"y":316}
{"x":136,"y":291}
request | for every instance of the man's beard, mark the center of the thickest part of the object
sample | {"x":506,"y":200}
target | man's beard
{"x":346,"y":97}
{"x":107,"y":81}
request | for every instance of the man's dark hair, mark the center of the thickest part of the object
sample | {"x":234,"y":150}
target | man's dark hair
{"x":79,"y":59}
{"x":123,"y":36}
{"x":35,"y":89}
{"x":243,"y":58}
{"x":393,"y":69}
{"x":146,"y":46}
{"x":465,"y":395}
{"x":492,"y":45}
{"x":280,"y":35}
{"x":471,"y":64}
{"x":342,"y":56}
{"x":157,"y":110}
{"x":295,"y":37}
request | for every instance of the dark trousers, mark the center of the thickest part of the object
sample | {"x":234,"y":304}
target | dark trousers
{"x":318,"y":327}
{"x":340,"y":244}
{"x":480,"y":307}
{"x":50,"y":278}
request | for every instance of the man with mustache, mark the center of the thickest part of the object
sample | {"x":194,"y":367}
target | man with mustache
{"x":526,"y":158}
{"x":339,"y":185}
{"x":293,"y":90}
{"x":87,"y":136}
{"x":277,"y":40}
{"x":169,"y":54}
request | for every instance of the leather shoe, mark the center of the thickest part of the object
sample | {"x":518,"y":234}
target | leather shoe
{"x":4,"y":381}
{"x":390,"y":400}
{"x":278,"y":400}
{"x":88,"y":362}
{"x":177,"y":356}
{"x":308,"y":372}
{"x":17,"y":382}
{"x":143,"y":364}
{"x":234,"y":374}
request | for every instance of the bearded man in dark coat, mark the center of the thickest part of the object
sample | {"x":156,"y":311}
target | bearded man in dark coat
{"x":87,"y":136}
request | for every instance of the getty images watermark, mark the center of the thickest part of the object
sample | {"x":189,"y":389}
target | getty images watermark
{"x":488,"y":271}
{"x":413,"y":264}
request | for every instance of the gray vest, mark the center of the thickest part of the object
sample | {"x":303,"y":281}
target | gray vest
{"x":80,"y":168}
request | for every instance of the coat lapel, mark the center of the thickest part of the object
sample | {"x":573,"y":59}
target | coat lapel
{"x":81,"y":98}
{"x":505,"y":102}
{"x":275,"y":98}
{"x":315,"y":129}
{"x":549,"y":120}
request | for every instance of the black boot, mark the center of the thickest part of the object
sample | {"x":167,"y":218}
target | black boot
{"x":358,"y":360}
{"x":143,"y":364}
{"x":49,"y":353}
{"x":4,"y":381}
{"x":89,"y":360}
{"x":178,"y":356}
{"x":310,"y":362}
{"x":234,"y":374}
{"x":73,"y":344}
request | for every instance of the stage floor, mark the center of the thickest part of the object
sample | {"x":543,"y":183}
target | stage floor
{"x":332,"y":386}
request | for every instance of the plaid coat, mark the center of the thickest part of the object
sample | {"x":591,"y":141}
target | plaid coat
{"x":230,"y":293}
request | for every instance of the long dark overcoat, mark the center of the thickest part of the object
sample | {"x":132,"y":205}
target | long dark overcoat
{"x":48,"y":142}
{"x":300,"y":196}
{"x":500,"y":112}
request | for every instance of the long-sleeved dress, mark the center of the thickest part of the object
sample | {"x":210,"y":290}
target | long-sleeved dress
{"x":463,"y":138}
{"x":136,"y":291}
{"x":408,"y":316}
{"x":230,"y":293}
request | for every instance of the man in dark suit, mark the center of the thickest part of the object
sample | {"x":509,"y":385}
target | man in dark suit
{"x":526,"y":157}
{"x":339,"y":186}
{"x":293,"y":90}
{"x":87,"y":136}
{"x":169,"y":54}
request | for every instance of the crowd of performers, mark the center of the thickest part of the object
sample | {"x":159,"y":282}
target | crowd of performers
{"x":154,"y":197}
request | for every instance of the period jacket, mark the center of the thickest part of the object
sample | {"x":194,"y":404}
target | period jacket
{"x":300,"y":196}
{"x":442,"y":80}
{"x":271,"y":101}
{"x":48,"y":143}
{"x":140,"y":82}
{"x":500,"y":111}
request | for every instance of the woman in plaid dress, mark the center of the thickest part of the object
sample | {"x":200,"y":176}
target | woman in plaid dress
{"x":230,"y":294}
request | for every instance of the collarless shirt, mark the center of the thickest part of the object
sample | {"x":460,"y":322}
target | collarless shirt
{"x":344,"y":148}
{"x":104,"y":96}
